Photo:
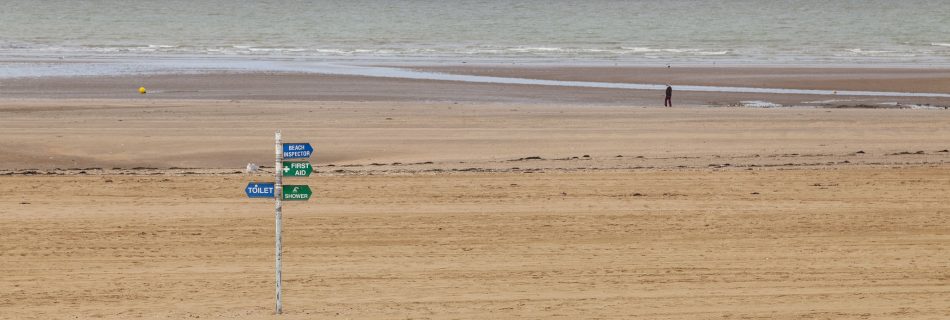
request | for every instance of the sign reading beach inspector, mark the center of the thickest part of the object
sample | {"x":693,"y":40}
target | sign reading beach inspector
{"x":297,"y":150}
{"x":297,"y":169}
{"x":260,"y":190}
{"x":297,"y":192}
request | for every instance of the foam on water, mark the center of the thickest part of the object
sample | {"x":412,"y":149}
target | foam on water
{"x":828,"y":101}
{"x":913,"y":106}
{"x":760,"y":104}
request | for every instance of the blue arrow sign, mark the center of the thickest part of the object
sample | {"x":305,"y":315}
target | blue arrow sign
{"x":260,"y":190}
{"x":297,"y":150}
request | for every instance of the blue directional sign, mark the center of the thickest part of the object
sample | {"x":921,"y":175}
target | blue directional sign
{"x":260,"y":190}
{"x":297,"y":150}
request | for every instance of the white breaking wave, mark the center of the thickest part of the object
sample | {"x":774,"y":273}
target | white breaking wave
{"x":712,"y":53}
{"x":686,"y":51}
{"x":532,"y":49}
{"x":828,"y":101}
{"x":879,"y":53}
{"x":640,"y":49}
{"x":760,"y":104}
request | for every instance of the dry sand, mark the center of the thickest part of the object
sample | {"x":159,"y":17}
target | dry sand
{"x":844,"y":243}
{"x":160,"y":133}
{"x":132,"y":207}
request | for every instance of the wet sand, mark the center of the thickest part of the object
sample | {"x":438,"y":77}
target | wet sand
{"x":317,"y":87}
{"x":935,"y":80}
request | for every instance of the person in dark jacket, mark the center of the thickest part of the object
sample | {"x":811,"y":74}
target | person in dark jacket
{"x":669,"y":94}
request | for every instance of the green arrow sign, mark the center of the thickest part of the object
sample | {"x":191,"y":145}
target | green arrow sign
{"x":297,"y":169}
{"x":299,"y":192}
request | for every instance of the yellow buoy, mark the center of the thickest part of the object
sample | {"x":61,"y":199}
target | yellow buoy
{"x":142,"y":90}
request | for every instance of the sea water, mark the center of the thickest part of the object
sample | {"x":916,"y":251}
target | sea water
{"x":643,"y":32}
{"x":111,"y":37}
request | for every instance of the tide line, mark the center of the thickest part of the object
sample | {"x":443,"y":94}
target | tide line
{"x":390,"y":72}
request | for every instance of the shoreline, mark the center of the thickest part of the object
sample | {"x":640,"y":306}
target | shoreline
{"x":719,"y":86}
{"x":875,"y":78}
{"x":866,"y":86}
{"x":52,"y":65}
{"x":319,"y":80}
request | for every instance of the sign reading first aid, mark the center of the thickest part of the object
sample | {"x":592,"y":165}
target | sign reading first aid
{"x":297,"y":169}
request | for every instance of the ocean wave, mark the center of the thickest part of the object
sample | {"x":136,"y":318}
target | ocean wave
{"x":940,"y":44}
{"x":685,"y":51}
{"x":566,"y":51}
{"x":7,"y":44}
{"x":760,"y":104}
{"x":537,"y":49}
{"x":713,"y":53}
{"x":827,"y":101}
{"x":640,"y":49}
{"x":879,"y":53}
{"x":869,"y":52}
{"x":601,"y":51}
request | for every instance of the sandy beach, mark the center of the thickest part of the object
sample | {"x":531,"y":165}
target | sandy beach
{"x":486,"y":159}
{"x":845,"y":243}
{"x":436,"y":200}
{"x":210,"y":134}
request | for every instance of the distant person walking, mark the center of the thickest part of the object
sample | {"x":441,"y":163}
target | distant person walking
{"x":669,"y":95}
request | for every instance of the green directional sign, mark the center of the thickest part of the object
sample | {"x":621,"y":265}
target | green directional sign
{"x":297,"y":169}
{"x":300,"y":192}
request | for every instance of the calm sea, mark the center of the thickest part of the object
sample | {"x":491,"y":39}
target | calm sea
{"x":728,"y":31}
